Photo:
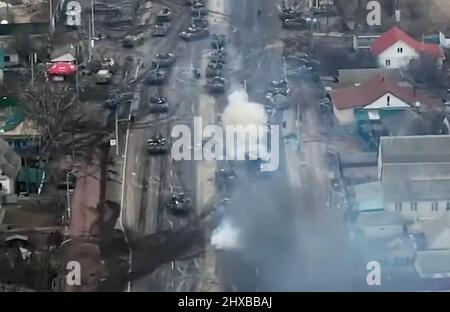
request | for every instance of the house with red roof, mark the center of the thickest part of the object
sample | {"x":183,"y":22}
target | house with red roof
{"x":396,"y":49}
{"x":376,"y":98}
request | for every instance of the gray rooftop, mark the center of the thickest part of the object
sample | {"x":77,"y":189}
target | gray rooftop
{"x":433,"y":263}
{"x":415,"y":149}
{"x":420,"y":181}
{"x":415,"y":167}
{"x":379,"y":218}
{"x":349,"y":77}
{"x":368,"y":191}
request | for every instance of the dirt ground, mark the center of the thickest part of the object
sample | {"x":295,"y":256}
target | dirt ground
{"x":440,"y":12}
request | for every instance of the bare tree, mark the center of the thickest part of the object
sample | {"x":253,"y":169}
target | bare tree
{"x":51,"y":108}
{"x":426,"y":71}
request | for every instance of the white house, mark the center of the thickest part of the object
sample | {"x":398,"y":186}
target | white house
{"x":376,"y":97}
{"x":415,"y":176}
{"x":396,"y":49}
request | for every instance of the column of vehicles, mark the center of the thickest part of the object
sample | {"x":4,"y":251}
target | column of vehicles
{"x":199,"y":27}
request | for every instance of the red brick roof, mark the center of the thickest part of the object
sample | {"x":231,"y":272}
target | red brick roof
{"x":371,"y":90}
{"x":395,"y":34}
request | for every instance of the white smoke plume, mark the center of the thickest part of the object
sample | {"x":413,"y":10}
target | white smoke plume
{"x":226,"y":236}
{"x":241,"y":112}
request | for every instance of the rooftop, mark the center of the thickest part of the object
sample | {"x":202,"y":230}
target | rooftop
{"x":415,"y":149}
{"x":379,"y":85}
{"x":433,"y":263}
{"x":350,"y":77}
{"x":379,"y":218}
{"x":395,"y":34}
{"x":369,"y":196}
{"x":416,"y":181}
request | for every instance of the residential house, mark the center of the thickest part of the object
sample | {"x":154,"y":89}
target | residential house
{"x":396,"y":49}
{"x":376,"y":98}
{"x":415,"y":175}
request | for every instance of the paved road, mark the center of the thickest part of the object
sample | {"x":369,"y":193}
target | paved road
{"x":151,"y":179}
{"x":292,"y":240}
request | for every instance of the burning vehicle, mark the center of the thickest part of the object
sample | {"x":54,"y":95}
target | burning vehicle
{"x":157,"y":145}
{"x":158,"y":105}
{"x":179,"y":205}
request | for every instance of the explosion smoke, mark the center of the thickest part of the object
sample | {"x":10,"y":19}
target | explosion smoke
{"x":226,"y":236}
{"x":241,"y":112}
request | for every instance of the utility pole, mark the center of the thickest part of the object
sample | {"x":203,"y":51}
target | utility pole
{"x":93,"y":25}
{"x":69,"y":208}
{"x":52,"y":21}
{"x":117,"y":131}
{"x":90,"y":40}
{"x":77,"y":84}
{"x":32,"y":70}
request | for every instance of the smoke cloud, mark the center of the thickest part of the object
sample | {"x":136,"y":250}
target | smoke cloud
{"x":226,"y":236}
{"x":241,"y":112}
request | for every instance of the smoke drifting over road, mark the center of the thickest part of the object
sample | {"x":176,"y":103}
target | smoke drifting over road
{"x":226,"y":236}
{"x":240,"y":112}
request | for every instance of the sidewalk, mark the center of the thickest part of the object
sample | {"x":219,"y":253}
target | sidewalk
{"x":291,"y":140}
